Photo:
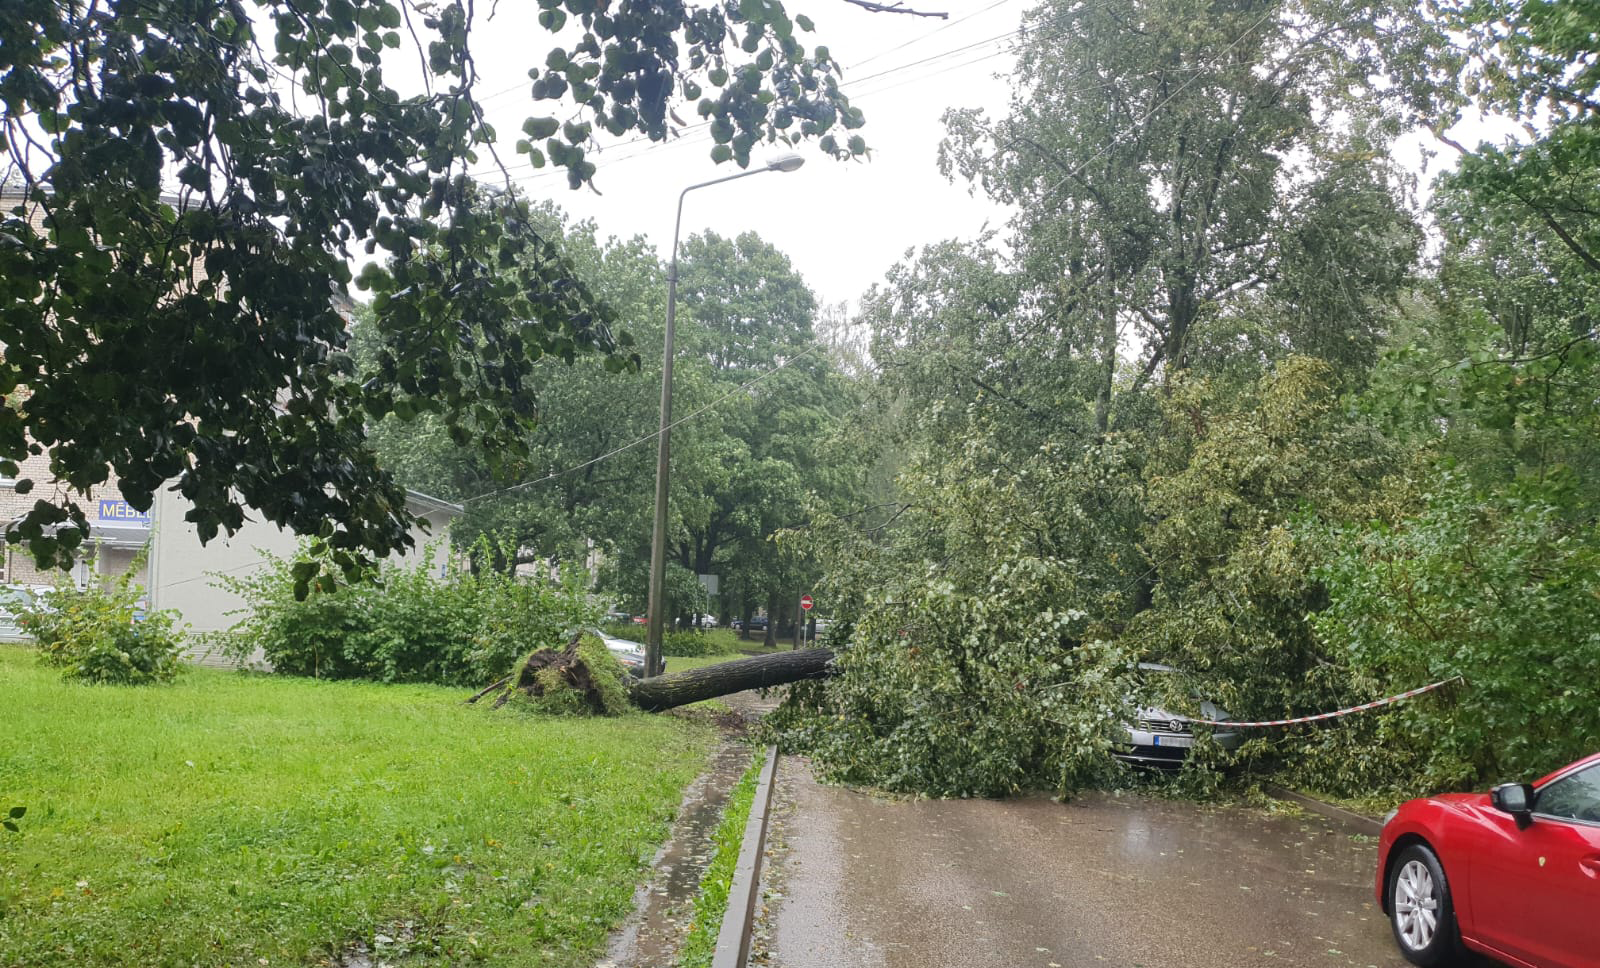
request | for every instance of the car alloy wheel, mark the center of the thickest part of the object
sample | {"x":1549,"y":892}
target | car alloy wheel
{"x":1416,"y":906}
{"x":1420,"y":909}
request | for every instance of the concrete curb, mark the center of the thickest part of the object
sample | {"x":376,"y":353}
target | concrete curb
{"x":733,"y":941}
{"x":1361,"y":823}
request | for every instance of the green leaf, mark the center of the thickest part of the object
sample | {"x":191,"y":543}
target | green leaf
{"x":540,"y":128}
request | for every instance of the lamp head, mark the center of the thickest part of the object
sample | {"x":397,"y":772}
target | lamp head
{"x":785,"y":162}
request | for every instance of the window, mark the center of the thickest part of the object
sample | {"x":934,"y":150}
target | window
{"x":1573,"y":797}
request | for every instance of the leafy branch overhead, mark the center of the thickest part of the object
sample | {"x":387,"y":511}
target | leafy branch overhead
{"x":187,"y":183}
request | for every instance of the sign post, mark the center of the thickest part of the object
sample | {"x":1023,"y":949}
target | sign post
{"x":805,"y":605}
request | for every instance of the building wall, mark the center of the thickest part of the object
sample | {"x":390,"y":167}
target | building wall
{"x":184,"y":572}
{"x":122,"y":529}
{"x":179,"y":572}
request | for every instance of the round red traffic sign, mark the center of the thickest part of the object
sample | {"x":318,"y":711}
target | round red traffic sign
{"x":805,"y":602}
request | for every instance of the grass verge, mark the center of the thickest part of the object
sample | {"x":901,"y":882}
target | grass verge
{"x":240,"y":820}
{"x":701,"y":941}
{"x":683,"y":663}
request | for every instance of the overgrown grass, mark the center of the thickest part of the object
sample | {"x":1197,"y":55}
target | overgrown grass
{"x":712,"y":901}
{"x":233,"y":820}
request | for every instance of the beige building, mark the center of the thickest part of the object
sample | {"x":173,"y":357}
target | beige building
{"x":179,"y":572}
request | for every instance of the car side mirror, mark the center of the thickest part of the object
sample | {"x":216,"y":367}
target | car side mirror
{"x":1515,"y":799}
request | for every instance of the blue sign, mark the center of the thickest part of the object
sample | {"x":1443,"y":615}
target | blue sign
{"x":121,"y":512}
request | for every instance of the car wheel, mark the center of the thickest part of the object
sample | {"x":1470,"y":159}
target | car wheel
{"x":1420,"y":910}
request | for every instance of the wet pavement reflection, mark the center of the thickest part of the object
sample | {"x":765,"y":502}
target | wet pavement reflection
{"x":1103,"y":880}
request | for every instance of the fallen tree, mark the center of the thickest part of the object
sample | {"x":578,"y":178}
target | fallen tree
{"x":708,"y":682}
{"x":582,"y":678}
{"x":546,"y":674}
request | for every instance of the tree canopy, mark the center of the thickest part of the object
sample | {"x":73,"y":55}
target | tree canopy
{"x":188,"y":182}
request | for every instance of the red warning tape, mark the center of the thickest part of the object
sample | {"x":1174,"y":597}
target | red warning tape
{"x":1342,"y":712}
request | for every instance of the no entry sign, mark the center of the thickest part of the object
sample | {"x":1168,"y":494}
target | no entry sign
{"x":805,"y":602}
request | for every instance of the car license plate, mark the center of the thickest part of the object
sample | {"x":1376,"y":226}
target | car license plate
{"x":1173,"y":740}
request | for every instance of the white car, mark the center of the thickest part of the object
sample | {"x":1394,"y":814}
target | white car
{"x":1157,"y":737}
{"x":630,"y":654}
{"x":14,"y":600}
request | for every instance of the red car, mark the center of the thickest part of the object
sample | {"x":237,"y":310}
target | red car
{"x":1514,"y":873}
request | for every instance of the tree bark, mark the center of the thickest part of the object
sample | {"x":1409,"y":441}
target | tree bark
{"x":771,"y":638}
{"x":759,"y":672}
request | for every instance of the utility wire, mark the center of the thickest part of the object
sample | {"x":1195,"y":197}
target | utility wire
{"x":919,"y":39}
{"x":698,"y":135}
{"x":882,"y":53}
{"x":815,"y":345}
{"x":933,"y":57}
{"x":700,"y":125}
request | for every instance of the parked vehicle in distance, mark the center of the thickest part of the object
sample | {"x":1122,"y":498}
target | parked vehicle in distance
{"x":630,"y":654}
{"x":757,"y":623}
{"x":1160,"y":738}
{"x":1513,"y":873}
{"x":14,"y":600}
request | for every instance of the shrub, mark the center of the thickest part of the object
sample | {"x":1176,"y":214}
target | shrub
{"x":1499,"y":589}
{"x":632,"y":631}
{"x":407,"y":625}
{"x":96,"y":634}
{"x":687,"y":643}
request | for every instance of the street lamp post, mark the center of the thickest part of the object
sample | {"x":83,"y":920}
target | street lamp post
{"x":658,"y":539}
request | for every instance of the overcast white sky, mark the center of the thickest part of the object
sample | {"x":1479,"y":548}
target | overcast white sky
{"x":843,"y":224}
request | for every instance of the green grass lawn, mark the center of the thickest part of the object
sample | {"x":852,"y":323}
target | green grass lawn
{"x":234,"y":820}
{"x":682,"y":663}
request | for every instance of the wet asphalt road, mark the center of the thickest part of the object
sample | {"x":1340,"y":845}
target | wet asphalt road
{"x":1124,"y":881}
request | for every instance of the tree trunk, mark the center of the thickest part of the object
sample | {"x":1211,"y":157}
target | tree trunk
{"x":771,"y":638}
{"x":708,"y":682}
{"x":1108,"y":362}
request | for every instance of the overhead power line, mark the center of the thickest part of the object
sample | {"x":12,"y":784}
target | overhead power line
{"x":697,"y":126}
{"x":919,"y":39}
{"x":861,"y":63}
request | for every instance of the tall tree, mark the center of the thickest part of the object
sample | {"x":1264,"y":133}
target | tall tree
{"x":1173,"y":160}
{"x":1535,"y":62}
{"x":752,"y":320}
{"x":569,"y":485}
